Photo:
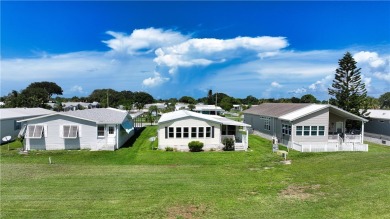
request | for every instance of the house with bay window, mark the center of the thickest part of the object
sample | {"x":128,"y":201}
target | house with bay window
{"x":176,"y":129}
{"x":306,"y":127}
{"x":92,"y":129}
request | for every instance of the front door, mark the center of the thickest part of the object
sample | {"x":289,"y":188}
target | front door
{"x":339,"y":127}
{"x":111,"y":137}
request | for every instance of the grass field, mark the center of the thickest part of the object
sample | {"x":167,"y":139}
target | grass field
{"x":138,"y":182}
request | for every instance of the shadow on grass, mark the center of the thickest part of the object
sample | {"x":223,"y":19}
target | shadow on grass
{"x":131,"y":141}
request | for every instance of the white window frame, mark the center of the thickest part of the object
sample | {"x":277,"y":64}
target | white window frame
{"x":186,"y":132}
{"x":36,"y":134}
{"x":267,"y":125}
{"x":114,"y":131}
{"x":299,"y":130}
{"x":104,"y":131}
{"x":178,"y":133}
{"x":321,"y":132}
{"x":70,"y":131}
{"x":208,"y":133}
{"x":286,"y":129}
{"x":192,"y":132}
{"x":171,"y":130}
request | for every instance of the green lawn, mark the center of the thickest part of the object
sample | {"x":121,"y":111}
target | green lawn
{"x":138,"y":182}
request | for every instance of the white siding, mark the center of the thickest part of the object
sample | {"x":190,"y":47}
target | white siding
{"x":53,"y":141}
{"x":182,"y":143}
{"x":320,"y":118}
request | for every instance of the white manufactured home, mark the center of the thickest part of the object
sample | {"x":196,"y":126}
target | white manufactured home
{"x":93,"y":129}
{"x":176,"y":129}
{"x":9,"y":125}
{"x":306,"y":127}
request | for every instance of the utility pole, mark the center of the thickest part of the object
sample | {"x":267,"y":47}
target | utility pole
{"x":107,"y":98}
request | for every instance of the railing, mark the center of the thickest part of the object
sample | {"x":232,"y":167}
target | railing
{"x":333,"y":138}
{"x":352,"y":138}
{"x":328,"y":147}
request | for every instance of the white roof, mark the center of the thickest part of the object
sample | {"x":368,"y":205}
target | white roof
{"x":176,"y":115}
{"x":312,"y":108}
{"x":379,"y":114}
{"x":98,"y":115}
{"x":302,"y":112}
{"x":10,"y":113}
{"x":208,"y":107}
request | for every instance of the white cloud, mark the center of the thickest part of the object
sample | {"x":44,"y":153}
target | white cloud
{"x":143,"y":40}
{"x":276,"y":84}
{"x":155,"y":80}
{"x":322,"y":85}
{"x":206,"y":51}
{"x":372,"y":58}
{"x":382,"y":76}
{"x":299,"y":91}
{"x":77,"y":88}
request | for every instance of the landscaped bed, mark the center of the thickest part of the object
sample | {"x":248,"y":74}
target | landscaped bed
{"x":139,"y":182}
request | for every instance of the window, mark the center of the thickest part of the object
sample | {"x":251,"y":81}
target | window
{"x":171,"y":132}
{"x":100,"y":131}
{"x":193,"y":132}
{"x":111,"y":130}
{"x":286,"y":129}
{"x":321,"y":130}
{"x":266,"y":124}
{"x":208,"y":132}
{"x":185,"y":132}
{"x":201,"y":132}
{"x":70,"y":131}
{"x":299,"y":130}
{"x":178,"y":132}
{"x":313,"y":131}
{"x":306,"y":130}
{"x":34,"y":131}
{"x":17,"y":125}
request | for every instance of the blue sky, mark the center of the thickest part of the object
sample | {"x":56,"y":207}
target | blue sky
{"x":171,"y":49}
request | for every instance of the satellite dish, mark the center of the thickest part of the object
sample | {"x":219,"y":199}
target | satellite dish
{"x":6,"y":138}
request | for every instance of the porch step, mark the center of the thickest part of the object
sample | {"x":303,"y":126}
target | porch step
{"x":239,"y":148}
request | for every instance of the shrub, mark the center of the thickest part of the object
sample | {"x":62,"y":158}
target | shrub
{"x":168,"y":149}
{"x":228,"y":143}
{"x":195,"y":146}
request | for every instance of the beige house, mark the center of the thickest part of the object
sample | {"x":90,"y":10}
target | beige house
{"x":176,"y":129}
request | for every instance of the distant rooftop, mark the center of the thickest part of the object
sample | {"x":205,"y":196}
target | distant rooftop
{"x":10,"y":113}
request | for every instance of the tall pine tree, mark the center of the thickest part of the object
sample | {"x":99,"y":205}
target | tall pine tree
{"x":348,"y":91}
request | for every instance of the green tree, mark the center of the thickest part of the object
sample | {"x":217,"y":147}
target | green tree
{"x":372,"y":103}
{"x":143,"y":97}
{"x":308,"y":98}
{"x":226,"y":104}
{"x":13,"y":100}
{"x":187,"y":99}
{"x":50,"y":87}
{"x":251,"y":100}
{"x":384,"y":101}
{"x":191,"y":107}
{"x":210,"y":98}
{"x":34,"y":97}
{"x":348,"y":91}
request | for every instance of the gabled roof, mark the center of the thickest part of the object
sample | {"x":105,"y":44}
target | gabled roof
{"x":275,"y":109}
{"x":99,"y":115}
{"x":294,"y":111}
{"x":379,"y":114}
{"x":11,"y":113}
{"x":177,"y":115}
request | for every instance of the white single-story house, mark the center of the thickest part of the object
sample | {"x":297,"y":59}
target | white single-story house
{"x":377,"y":129}
{"x":9,"y":125}
{"x":176,"y":129}
{"x":72,"y":106}
{"x":306,"y":127}
{"x":208,"y":109}
{"x":93,"y":129}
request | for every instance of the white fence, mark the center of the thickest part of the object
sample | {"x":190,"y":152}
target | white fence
{"x":328,"y":147}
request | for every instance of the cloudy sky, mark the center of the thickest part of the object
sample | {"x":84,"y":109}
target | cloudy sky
{"x":172,"y":49}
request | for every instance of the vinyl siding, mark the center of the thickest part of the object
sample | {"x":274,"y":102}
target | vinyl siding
{"x":319,"y":118}
{"x":53,"y":141}
{"x":182,"y":143}
{"x":376,"y":127}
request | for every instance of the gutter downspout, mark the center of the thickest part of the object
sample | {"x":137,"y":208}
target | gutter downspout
{"x":117,"y":137}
